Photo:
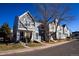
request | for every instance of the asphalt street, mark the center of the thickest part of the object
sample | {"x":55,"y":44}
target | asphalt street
{"x":68,"y":49}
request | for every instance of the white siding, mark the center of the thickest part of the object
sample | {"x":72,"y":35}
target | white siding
{"x":52,"y":27}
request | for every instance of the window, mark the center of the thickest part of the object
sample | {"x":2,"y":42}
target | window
{"x":26,"y":23}
{"x":36,"y":35}
{"x":52,"y":27}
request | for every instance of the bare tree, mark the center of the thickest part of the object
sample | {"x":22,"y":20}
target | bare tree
{"x":42,"y":8}
{"x":55,"y":11}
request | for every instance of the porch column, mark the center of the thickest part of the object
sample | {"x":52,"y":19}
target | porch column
{"x":18,"y":36}
{"x":33,"y":36}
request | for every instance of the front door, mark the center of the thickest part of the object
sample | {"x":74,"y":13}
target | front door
{"x":22,"y":37}
{"x":28,"y":36}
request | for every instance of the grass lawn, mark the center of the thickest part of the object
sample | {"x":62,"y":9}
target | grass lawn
{"x":11,"y":46}
{"x":34,"y":44}
{"x":4,"y":47}
{"x":51,"y":42}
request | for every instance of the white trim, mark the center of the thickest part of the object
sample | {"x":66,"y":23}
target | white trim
{"x":21,"y":29}
{"x":23,"y":14}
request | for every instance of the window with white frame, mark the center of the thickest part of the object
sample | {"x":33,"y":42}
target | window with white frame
{"x":37,"y":35}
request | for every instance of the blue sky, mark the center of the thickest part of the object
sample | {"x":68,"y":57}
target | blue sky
{"x":9,"y":11}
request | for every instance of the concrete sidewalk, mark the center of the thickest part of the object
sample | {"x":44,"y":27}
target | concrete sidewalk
{"x":28,"y":49}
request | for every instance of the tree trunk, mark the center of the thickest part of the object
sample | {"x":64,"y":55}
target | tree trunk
{"x":56,"y":32}
{"x":56,"y":28}
{"x":46,"y":33}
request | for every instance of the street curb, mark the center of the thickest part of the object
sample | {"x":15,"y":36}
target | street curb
{"x":33,"y":49}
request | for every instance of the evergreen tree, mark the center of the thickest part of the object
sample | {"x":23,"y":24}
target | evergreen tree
{"x":5,"y":32}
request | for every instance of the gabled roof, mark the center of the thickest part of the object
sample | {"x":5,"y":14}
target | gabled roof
{"x":23,"y":14}
{"x":28,"y":13}
{"x":51,"y":20}
{"x":64,"y":25}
